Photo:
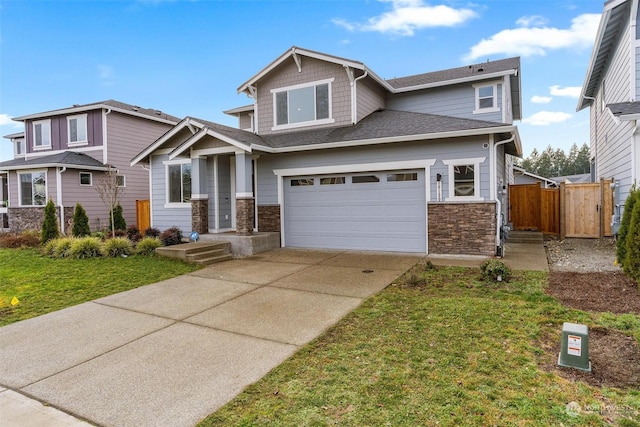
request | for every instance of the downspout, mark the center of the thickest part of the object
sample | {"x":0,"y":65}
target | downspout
{"x":354,"y":100}
{"x":105,"y":151}
{"x":59,"y":172}
{"x":494,"y":190}
{"x":595,"y":133}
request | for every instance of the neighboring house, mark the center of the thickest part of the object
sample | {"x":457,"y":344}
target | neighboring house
{"x":521,"y":176}
{"x":63,"y":155}
{"x":611,"y":90}
{"x":331,"y":155}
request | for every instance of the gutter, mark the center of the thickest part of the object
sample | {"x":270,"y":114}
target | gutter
{"x":59,"y":172}
{"x":494,"y":180}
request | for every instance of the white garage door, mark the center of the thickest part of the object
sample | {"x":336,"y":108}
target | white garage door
{"x":383,"y":211}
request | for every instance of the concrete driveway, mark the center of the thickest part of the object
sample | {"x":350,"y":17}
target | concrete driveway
{"x":173,"y":352}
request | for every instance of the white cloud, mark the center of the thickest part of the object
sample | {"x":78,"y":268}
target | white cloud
{"x":569,"y":91}
{"x":533,"y":37}
{"x":5,"y":120}
{"x":541,"y":99}
{"x":545,"y":118}
{"x":407,"y":16}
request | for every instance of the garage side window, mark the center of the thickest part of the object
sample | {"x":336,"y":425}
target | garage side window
{"x":464,"y":179}
{"x":301,"y":182}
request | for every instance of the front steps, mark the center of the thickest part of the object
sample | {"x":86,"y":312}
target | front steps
{"x":201,"y":253}
{"x":516,"y":236}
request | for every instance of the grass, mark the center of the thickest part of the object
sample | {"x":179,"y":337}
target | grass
{"x":454,"y":351}
{"x":43,"y":284}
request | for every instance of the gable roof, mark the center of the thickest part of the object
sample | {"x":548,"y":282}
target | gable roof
{"x":121,"y":107}
{"x":69,"y":159}
{"x":615,"y":13}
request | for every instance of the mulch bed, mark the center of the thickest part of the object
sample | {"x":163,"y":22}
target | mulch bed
{"x":615,"y":357}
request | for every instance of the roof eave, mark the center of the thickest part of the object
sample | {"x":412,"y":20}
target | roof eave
{"x":488,"y":76}
{"x":74,"y":110}
{"x":55,"y":165}
{"x":160,"y":141}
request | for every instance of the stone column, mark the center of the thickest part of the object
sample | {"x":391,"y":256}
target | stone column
{"x":199,"y":196}
{"x":245,"y":208}
{"x":200,"y":215}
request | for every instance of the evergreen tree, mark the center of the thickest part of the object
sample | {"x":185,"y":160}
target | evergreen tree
{"x":50,"y":224}
{"x":631,"y":264}
{"x":80,"y":222}
{"x":118,"y":219}
{"x":621,"y":244}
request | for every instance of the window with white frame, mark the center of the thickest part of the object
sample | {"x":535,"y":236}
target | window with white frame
{"x":20,"y":149}
{"x":179,"y":183}
{"x":86,"y":178}
{"x":42,"y":134}
{"x":486,"y":98}
{"x":33,"y":188}
{"x":301,"y":105}
{"x":121,"y":181}
{"x":77,"y":129}
{"x":464,"y":179}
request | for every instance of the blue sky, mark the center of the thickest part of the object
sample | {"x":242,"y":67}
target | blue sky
{"x":189,"y":57}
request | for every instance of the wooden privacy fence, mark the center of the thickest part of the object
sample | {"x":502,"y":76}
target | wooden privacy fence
{"x":573,"y":210}
{"x":143,"y":214}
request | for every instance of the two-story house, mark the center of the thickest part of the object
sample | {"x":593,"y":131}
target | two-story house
{"x":63,"y":154}
{"x":331,"y":155}
{"x":611,"y":90}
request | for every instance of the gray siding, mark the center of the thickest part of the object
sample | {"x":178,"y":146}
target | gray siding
{"x":439,"y":150}
{"x":88,"y":197}
{"x":161,"y":216}
{"x":244,"y":121}
{"x":370,"y":97}
{"x":456,"y":101}
{"x":637,"y":80}
{"x":312,"y":70}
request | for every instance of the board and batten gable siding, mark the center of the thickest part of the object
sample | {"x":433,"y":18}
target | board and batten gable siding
{"x":370,"y":97}
{"x":613,"y":146}
{"x":286,"y":74}
{"x":60,"y":132}
{"x":456,"y":101}
{"x":462,"y":148}
{"x":163,"y":217}
{"x":126,"y":137}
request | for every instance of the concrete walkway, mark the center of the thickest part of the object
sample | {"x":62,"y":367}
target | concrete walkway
{"x":171,"y":353}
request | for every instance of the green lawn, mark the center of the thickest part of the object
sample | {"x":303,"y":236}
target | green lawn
{"x":43,"y":284}
{"x":455,"y":352}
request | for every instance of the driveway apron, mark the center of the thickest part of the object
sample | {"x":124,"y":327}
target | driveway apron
{"x":175,"y":351}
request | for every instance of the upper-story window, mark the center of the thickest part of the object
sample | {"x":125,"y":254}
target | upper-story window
{"x":302,"y":105}
{"x":77,"y":129}
{"x":486,"y":98}
{"x":20,"y":149}
{"x":42,"y":134}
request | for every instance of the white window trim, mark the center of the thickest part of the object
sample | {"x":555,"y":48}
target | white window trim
{"x":124,"y":181}
{"x":33,"y":127}
{"x":22,"y":143}
{"x":90,"y":179}
{"x":167,"y":163}
{"x":495,"y":107}
{"x":86,"y":130}
{"x":476,"y":161}
{"x":307,"y":123}
{"x":46,"y":188}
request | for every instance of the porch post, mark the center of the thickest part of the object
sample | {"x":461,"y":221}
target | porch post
{"x":199,"y":196}
{"x":245,"y":203}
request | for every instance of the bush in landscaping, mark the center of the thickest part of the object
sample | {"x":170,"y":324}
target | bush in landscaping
{"x":117,"y":247}
{"x":148,"y":245}
{"x":80,"y":222}
{"x":494,"y":270}
{"x":412,"y":279}
{"x":118,"y":219}
{"x":50,"y":224}
{"x":171,"y":236}
{"x":59,"y":248}
{"x":133,"y":233}
{"x":102,"y":235}
{"x":118,"y":233}
{"x":30,"y":239}
{"x":621,"y":245}
{"x":631,"y":264}
{"x":152,"y":232}
{"x":85,"y":247}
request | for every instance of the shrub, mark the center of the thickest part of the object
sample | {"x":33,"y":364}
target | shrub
{"x":133,"y":233}
{"x":631,"y":264}
{"x":20,"y":240}
{"x":118,"y":219}
{"x":50,"y":224}
{"x":117,"y":247}
{"x":152,"y":232}
{"x":61,"y":247}
{"x":80,"y":222}
{"x":102,"y":235}
{"x":171,"y":236}
{"x":118,"y":233}
{"x":413,"y":279}
{"x":148,"y":245}
{"x":85,"y":247}
{"x":494,"y":270}
{"x":621,"y":245}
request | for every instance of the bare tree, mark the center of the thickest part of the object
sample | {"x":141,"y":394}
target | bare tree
{"x":110,"y":192}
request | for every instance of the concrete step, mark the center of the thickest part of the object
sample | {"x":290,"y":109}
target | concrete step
{"x":516,"y":236}
{"x":198,"y":252}
{"x":213,"y":259}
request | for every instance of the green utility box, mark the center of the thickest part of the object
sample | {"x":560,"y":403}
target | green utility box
{"x":574,"y":351}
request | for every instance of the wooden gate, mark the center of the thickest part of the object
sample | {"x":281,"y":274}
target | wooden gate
{"x":586,"y":209}
{"x":143,"y":215}
{"x":524,"y":206}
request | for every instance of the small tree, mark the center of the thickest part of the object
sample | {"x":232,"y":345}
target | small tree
{"x":50,"y":224}
{"x":631,"y":263}
{"x":110,"y":192}
{"x":116,"y":219}
{"x":80,"y":222}
{"x":621,"y":244}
